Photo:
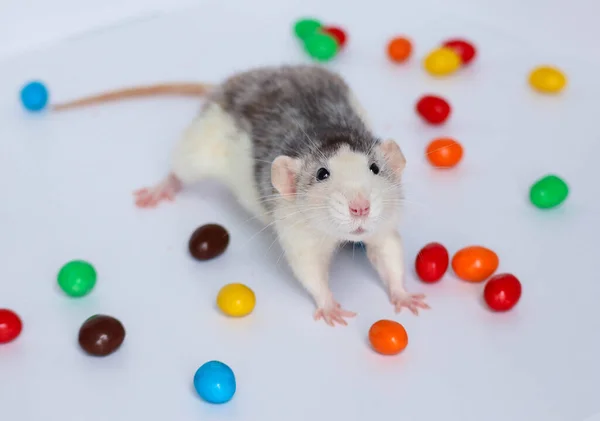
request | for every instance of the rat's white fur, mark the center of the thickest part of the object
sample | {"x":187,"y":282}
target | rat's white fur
{"x":215,"y":147}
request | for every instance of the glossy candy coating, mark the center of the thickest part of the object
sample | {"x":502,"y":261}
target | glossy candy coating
{"x":338,"y":33}
{"x":399,"y":49}
{"x":502,"y":292}
{"x":10,"y":326}
{"x":442,"y":61}
{"x":215,"y":382}
{"x":548,"y":192}
{"x":432,"y":262}
{"x":303,"y":28}
{"x":475,"y":263}
{"x":208,"y":241}
{"x":77,"y":278}
{"x":433,"y":109}
{"x":321,"y":46}
{"x":388,"y":337}
{"x":101,"y":335}
{"x":34,"y":96}
{"x":464,"y":49}
{"x":236,"y":300}
{"x":444,"y":152}
{"x":547,"y":79}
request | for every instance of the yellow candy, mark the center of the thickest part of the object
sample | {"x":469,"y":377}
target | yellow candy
{"x":442,"y":61}
{"x":547,"y":79}
{"x":236,"y":300}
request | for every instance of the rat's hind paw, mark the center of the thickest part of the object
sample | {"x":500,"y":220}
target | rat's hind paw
{"x":166,"y":190}
{"x":411,"y":301}
{"x":333,"y":314}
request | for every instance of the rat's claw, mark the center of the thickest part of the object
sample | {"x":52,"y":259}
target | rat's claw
{"x":411,"y":301}
{"x":166,"y":190}
{"x":333,"y":313}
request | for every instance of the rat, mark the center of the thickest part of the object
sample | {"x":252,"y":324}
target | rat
{"x":297,"y":150}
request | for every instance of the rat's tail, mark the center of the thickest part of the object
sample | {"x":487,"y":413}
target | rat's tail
{"x":182,"y":89}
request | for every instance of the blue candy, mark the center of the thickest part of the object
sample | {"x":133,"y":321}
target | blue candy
{"x":34,"y":96}
{"x":215,"y":382}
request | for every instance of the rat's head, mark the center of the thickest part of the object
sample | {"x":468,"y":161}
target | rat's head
{"x":347,"y":192}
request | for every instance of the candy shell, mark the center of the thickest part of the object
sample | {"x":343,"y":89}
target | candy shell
{"x":34,"y":96}
{"x":77,"y":278}
{"x":236,"y":300}
{"x":433,"y":109}
{"x":338,"y":33}
{"x":432,"y":262}
{"x":442,"y":61}
{"x":548,"y":192}
{"x":502,"y":292}
{"x":547,"y":79}
{"x":215,"y":382}
{"x":463,"y":48}
{"x":444,"y":152}
{"x":399,"y":49}
{"x":475,"y":263}
{"x":321,"y":46}
{"x":10,"y":326}
{"x":303,"y":28}
{"x":388,"y":337}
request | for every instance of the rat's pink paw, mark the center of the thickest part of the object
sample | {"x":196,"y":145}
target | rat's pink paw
{"x":411,"y":301}
{"x":150,"y":197}
{"x":333,"y":314}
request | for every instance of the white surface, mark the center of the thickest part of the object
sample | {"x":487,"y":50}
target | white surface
{"x":67,"y":181}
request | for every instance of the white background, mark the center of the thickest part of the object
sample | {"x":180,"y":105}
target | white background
{"x":67,"y":181}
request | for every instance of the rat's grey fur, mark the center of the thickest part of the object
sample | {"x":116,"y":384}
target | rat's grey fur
{"x":299,"y":111}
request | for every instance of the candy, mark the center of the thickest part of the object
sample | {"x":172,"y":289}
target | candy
{"x":399,"y":49}
{"x":303,"y":28}
{"x":321,"y":46}
{"x":10,"y":326}
{"x":432,"y":262}
{"x":464,"y":49}
{"x":101,"y":335}
{"x":444,"y":152}
{"x":236,"y":300}
{"x":433,"y":109}
{"x":337,"y":33}
{"x":34,"y":96}
{"x":215,"y":382}
{"x":502,"y":292}
{"x":77,"y":278}
{"x":547,"y":79}
{"x":208,"y":241}
{"x":548,"y":192}
{"x":475,"y":263}
{"x":388,"y":337}
{"x":442,"y":61}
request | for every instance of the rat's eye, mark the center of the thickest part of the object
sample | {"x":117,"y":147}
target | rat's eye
{"x":374,"y":169}
{"x":322,"y":174}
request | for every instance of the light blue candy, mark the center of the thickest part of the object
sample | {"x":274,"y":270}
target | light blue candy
{"x":34,"y":96}
{"x":215,"y":382}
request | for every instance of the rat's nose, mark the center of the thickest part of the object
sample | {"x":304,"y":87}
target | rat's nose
{"x":359,"y":207}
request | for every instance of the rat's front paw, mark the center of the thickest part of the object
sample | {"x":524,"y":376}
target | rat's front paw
{"x":411,"y":301}
{"x":332,"y":313}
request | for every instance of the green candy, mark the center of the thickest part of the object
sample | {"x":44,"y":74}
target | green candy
{"x":77,"y":278}
{"x":548,"y":192}
{"x":304,"y":28}
{"x":321,"y":46}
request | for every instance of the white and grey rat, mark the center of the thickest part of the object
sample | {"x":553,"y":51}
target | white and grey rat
{"x":296,"y":149}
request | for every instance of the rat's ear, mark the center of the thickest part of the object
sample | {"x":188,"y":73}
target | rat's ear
{"x":283,"y":175}
{"x":393,"y":156}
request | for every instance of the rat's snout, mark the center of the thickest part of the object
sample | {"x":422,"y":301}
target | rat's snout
{"x":359,"y":207}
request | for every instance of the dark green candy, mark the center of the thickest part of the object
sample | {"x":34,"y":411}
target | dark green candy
{"x":548,"y":192}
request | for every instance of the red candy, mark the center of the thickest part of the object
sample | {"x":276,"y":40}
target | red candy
{"x":464,"y":49}
{"x":433,"y":109}
{"x":432,"y":262}
{"x":337,"y":33}
{"x":502,"y":292}
{"x":10,"y":326}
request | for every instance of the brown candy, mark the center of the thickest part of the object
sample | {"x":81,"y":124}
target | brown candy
{"x":101,"y":335}
{"x":208,"y":242}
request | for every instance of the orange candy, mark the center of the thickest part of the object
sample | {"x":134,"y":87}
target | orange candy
{"x":399,"y":49}
{"x":475,"y":263}
{"x":444,"y":152}
{"x":388,"y":337}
